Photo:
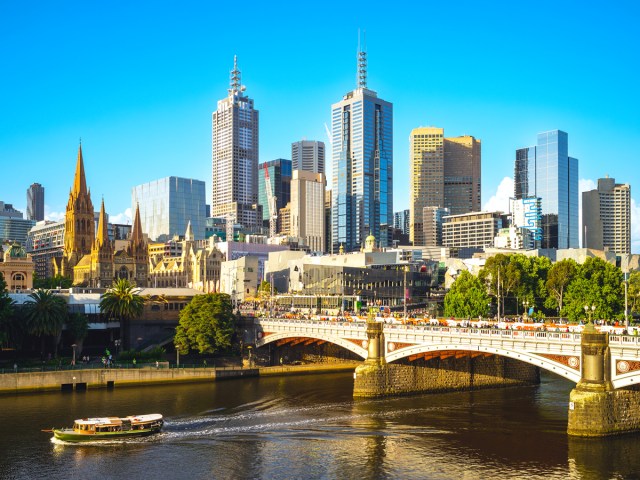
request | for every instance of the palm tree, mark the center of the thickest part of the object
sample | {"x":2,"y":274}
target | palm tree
{"x":123,"y":302}
{"x":45,"y":314}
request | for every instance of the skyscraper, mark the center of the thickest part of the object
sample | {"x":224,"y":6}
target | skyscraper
{"x":462,"y":175}
{"x":362,"y":178}
{"x":307,"y":208}
{"x":445,"y":173}
{"x":167,"y":205}
{"x":548,"y":172}
{"x":235,"y":156}
{"x":606,"y":216}
{"x":401,"y":221}
{"x":35,"y":202}
{"x":308,"y":155}
{"x":426,"y":183}
{"x":280,"y":179}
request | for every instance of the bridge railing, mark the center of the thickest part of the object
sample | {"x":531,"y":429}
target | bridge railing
{"x":624,"y":339}
{"x":534,"y":335}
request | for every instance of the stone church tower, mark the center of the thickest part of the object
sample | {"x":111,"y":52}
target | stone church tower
{"x":79,"y":223}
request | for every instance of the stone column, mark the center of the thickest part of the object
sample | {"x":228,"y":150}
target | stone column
{"x":595,"y":408}
{"x":371,"y":379}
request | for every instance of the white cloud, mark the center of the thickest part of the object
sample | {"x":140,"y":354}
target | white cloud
{"x":124,"y":218}
{"x":500,"y":200}
{"x":52,"y":216}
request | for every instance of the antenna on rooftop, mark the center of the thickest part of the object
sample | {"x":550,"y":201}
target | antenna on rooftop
{"x":362,"y":62}
{"x":235,"y":77}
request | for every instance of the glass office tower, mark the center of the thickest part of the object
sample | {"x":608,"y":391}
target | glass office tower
{"x":168,"y":205}
{"x":280,"y":173}
{"x":546,"y":171}
{"x":362,"y":177}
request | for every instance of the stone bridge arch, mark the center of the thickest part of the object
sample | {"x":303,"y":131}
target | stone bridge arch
{"x":556,"y":364}
{"x":353,"y":345}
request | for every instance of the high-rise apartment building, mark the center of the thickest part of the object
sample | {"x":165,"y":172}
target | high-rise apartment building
{"x":462,"y":176}
{"x":235,"y":156}
{"x":45,"y":242}
{"x":362,"y":178}
{"x":445,"y":173}
{"x":35,"y":202}
{"x":308,"y":155}
{"x":168,"y":205}
{"x":606,"y":216}
{"x":426,"y":183}
{"x":546,"y":171}
{"x":307,"y":208}
{"x":279,"y":171}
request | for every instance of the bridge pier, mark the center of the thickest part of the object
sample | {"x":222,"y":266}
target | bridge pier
{"x":595,"y":408}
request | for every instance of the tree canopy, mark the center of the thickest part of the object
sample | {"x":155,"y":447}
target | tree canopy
{"x":123,"y":302}
{"x":206,"y":324}
{"x":6,"y":310}
{"x":467,"y":297}
{"x":45,"y":314}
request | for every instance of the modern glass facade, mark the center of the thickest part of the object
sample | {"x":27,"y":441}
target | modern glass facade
{"x":548,"y":172}
{"x":168,"y":205}
{"x":35,"y":202}
{"x":280,"y":171}
{"x":362,"y":183}
{"x":15,"y":229}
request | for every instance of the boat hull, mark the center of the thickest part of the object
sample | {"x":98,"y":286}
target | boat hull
{"x":69,"y":435}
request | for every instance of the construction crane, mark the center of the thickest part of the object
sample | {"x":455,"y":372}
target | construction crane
{"x":271,"y":202}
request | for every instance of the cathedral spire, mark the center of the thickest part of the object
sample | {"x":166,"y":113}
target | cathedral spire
{"x":136,"y":232}
{"x":79,"y":182}
{"x":188,"y":236}
{"x":102,"y":235}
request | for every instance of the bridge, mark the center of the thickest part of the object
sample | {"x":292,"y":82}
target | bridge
{"x":605,"y":367}
{"x":556,"y":352}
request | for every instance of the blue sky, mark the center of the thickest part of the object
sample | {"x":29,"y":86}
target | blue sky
{"x":138,"y":82}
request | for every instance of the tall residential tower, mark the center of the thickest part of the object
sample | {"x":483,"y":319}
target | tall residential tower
{"x":362,"y":178}
{"x":235,"y":156}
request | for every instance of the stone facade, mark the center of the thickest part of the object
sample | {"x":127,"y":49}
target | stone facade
{"x":442,"y":375}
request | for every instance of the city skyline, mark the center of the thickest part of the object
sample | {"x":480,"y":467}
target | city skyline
{"x":149,"y":115}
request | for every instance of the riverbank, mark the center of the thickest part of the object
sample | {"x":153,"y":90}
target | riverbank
{"x":87,"y":379}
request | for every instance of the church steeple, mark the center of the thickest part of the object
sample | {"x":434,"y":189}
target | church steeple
{"x":136,"y":232}
{"x":102,"y":235}
{"x":79,"y":182}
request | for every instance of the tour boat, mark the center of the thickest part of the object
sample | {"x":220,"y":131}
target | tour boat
{"x":110,"y":428}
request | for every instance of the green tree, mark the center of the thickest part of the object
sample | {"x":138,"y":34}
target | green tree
{"x":206,"y":324}
{"x":501,"y":276}
{"x":634,"y":292}
{"x":52,"y":283}
{"x":466,"y":298}
{"x":6,"y":313}
{"x":560,"y":276}
{"x":596,"y":283}
{"x":264,"y":290}
{"x":123,"y":302}
{"x":45,"y":314}
{"x":78,"y":328}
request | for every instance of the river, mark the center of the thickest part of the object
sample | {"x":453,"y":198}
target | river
{"x":310,"y":427}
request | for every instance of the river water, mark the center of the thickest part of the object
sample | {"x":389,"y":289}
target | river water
{"x":310,"y":427}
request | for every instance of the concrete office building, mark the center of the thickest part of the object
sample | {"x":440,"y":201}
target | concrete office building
{"x":45,"y":241}
{"x":35,"y":202}
{"x":433,"y":218}
{"x":235,"y":157}
{"x":606,"y":217}
{"x":168,"y":205}
{"x":308,"y":155}
{"x":462,"y":175}
{"x":362,"y":174}
{"x":307,"y":208}
{"x":546,"y":171}
{"x":475,"y":230}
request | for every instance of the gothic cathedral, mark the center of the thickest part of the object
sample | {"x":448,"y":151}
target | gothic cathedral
{"x":90,"y":257}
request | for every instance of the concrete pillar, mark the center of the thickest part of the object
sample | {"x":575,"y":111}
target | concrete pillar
{"x":595,"y":408}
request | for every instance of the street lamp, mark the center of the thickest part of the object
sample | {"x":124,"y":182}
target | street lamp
{"x":73,"y":361}
{"x":525,"y":305}
{"x":117,"y":344}
{"x":590,"y":311}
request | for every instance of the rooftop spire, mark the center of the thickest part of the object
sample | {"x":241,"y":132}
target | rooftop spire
{"x":235,"y":77}
{"x":102,"y":235}
{"x":79,"y":182}
{"x":136,"y":232}
{"x":188,"y":236}
{"x":362,"y":61}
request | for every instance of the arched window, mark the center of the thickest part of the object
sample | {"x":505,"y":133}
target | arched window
{"x":123,"y":273}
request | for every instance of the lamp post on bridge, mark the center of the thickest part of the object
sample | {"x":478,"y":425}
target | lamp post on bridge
{"x":525,"y":305}
{"x":590,"y":311}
